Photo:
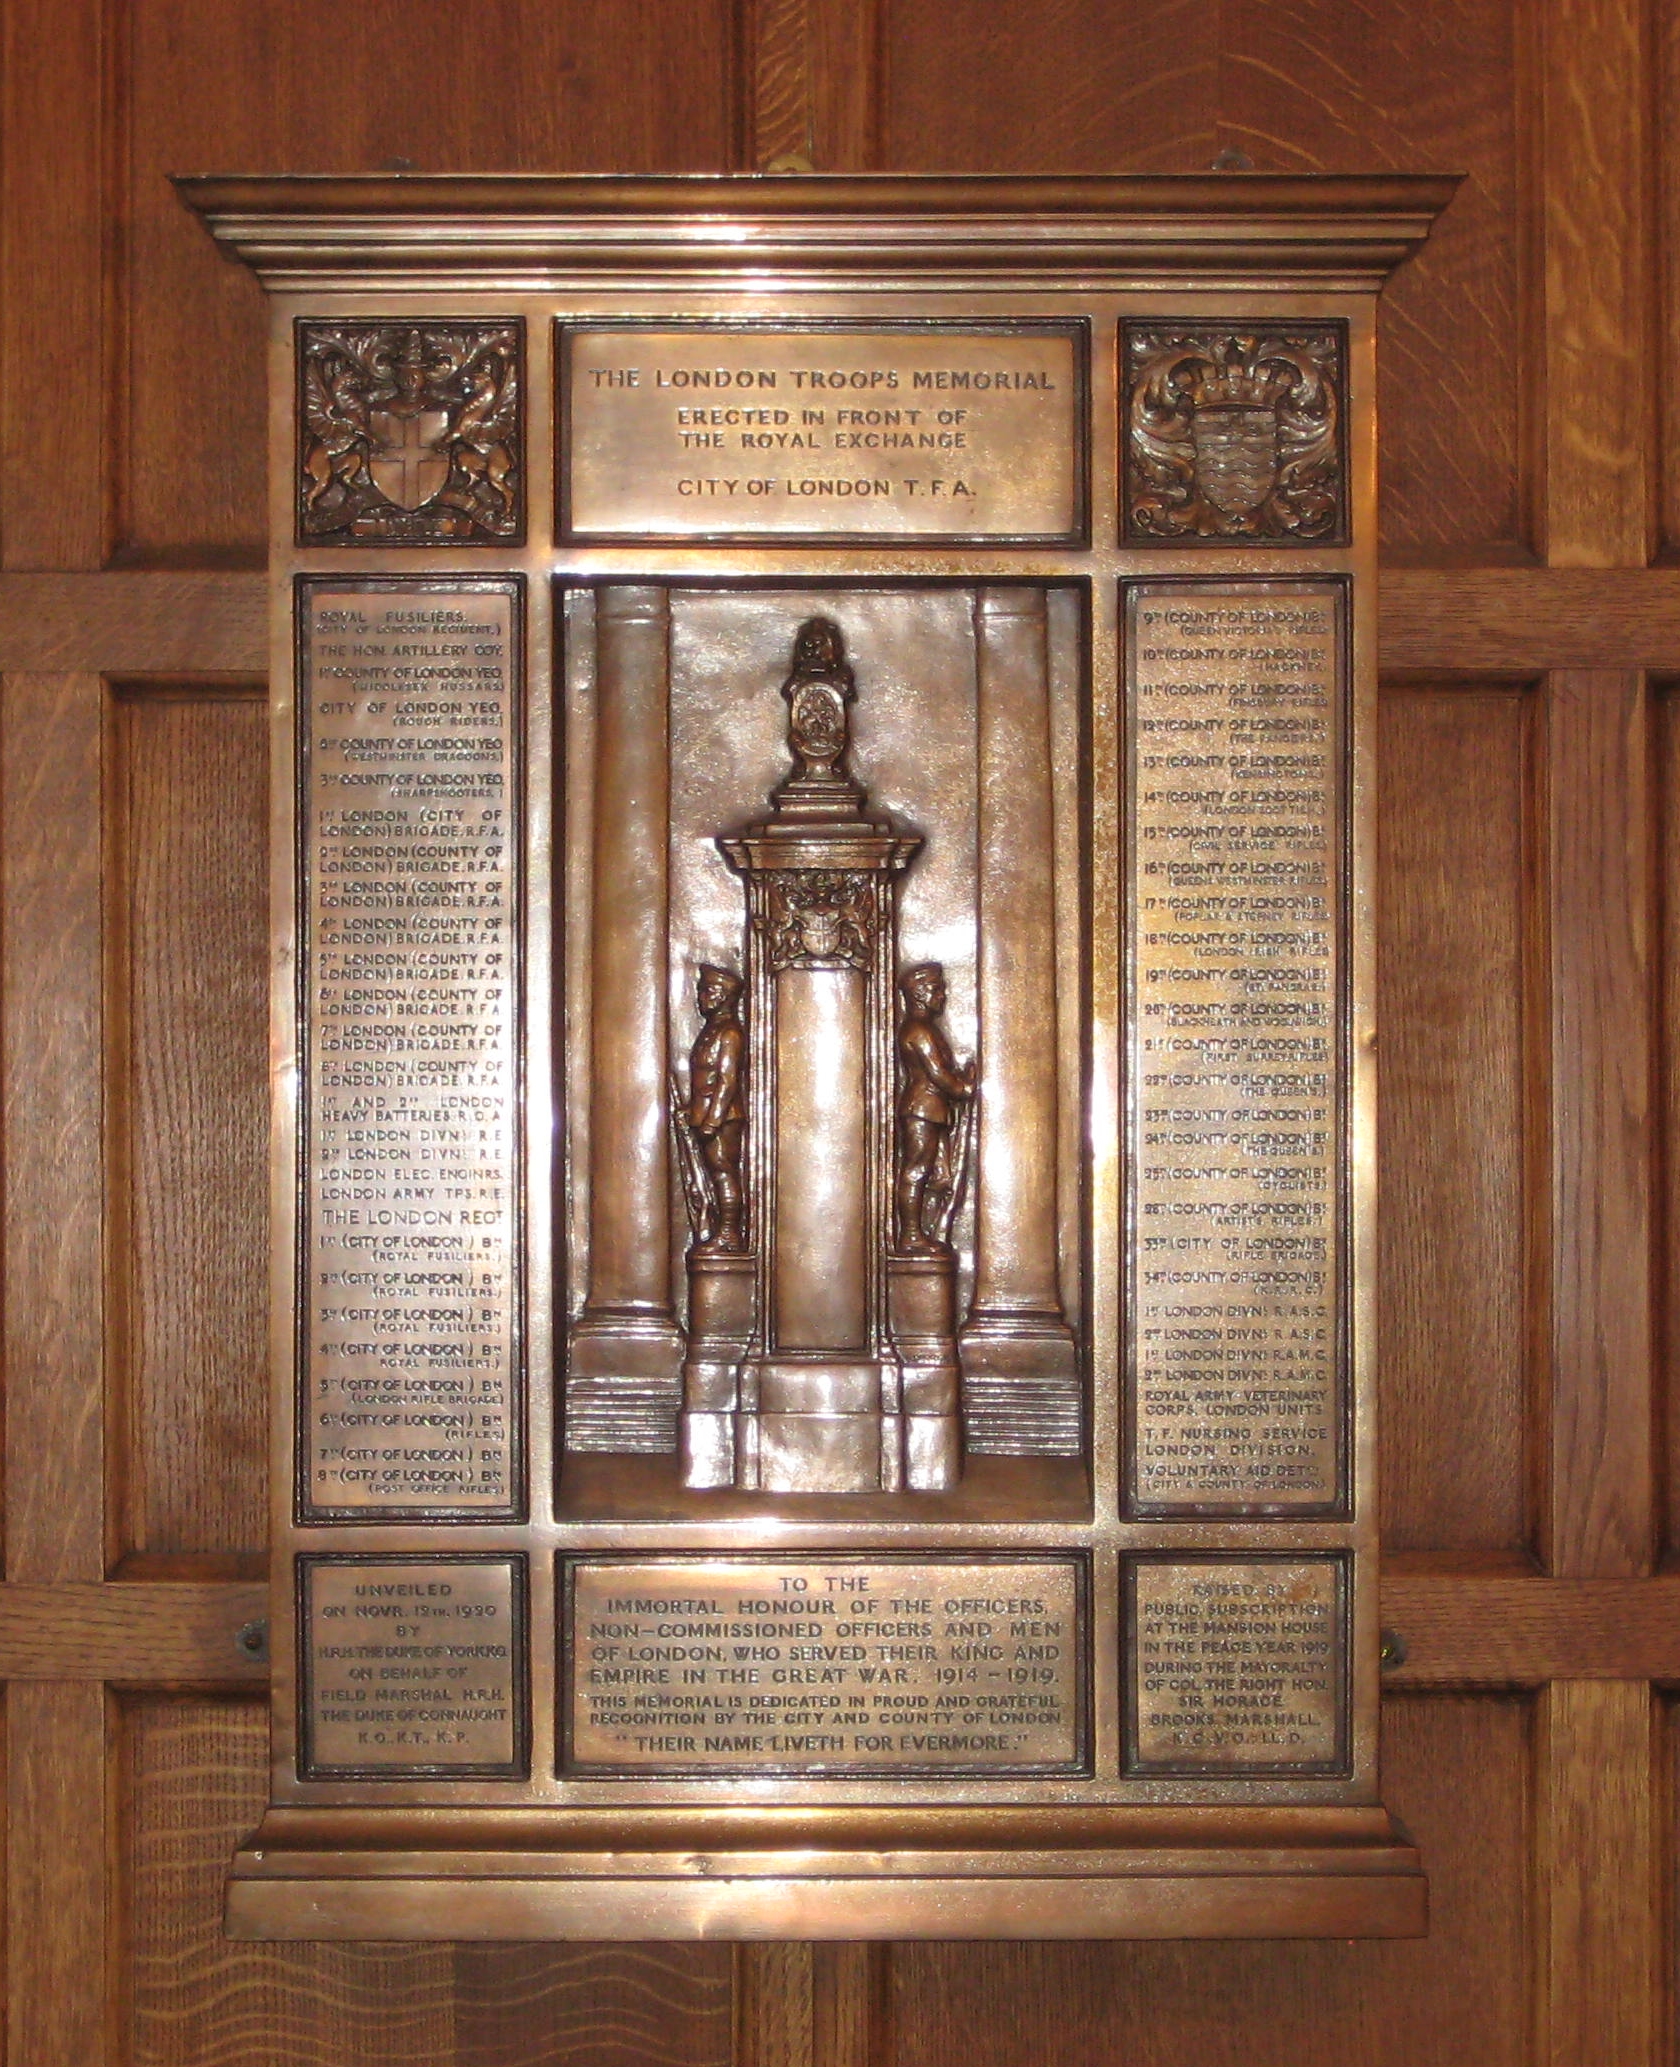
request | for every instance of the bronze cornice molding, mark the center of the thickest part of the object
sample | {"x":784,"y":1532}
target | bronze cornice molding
{"x":511,"y":231}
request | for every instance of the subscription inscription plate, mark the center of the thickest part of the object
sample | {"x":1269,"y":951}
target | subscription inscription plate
{"x":412,"y":1666}
{"x":1236,"y":958}
{"x":826,"y":1665}
{"x":945,"y":431}
{"x":408,"y":1009}
{"x":1237,"y":1665}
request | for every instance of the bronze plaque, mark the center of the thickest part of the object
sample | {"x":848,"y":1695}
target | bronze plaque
{"x":947,"y":431}
{"x":1237,"y":1665}
{"x":826,"y":1665}
{"x":412,"y":1667}
{"x":1237,"y":1036}
{"x":409,"y":696}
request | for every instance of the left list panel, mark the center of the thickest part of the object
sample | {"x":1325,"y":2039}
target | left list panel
{"x":409,"y":1252}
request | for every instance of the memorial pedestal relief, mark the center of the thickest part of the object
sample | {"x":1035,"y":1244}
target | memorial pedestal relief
{"x":825,"y":1100}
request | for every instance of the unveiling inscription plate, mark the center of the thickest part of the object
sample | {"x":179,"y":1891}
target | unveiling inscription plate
{"x":408,"y":1309}
{"x":1238,"y":1039}
{"x":1237,"y":1665}
{"x":836,"y":1665}
{"x":412,"y":1665}
{"x":947,"y":431}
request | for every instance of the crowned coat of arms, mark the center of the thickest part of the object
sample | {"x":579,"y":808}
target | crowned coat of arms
{"x":1235,"y":433}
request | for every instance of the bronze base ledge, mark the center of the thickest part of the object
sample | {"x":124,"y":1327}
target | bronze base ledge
{"x":1333,"y":1873}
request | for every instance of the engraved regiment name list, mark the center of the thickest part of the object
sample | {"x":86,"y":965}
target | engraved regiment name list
{"x":408,"y":1247}
{"x":1238,"y":1018}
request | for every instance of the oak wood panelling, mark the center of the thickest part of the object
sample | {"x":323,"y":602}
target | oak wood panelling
{"x":988,"y":86}
{"x":428,"y":85}
{"x":1666,"y":760}
{"x":57,"y":345}
{"x":1594,"y":411}
{"x":1457,"y":1775}
{"x":1599,"y":1854}
{"x":60,"y":1828}
{"x":1457,"y":1292}
{"x":1470,"y":622}
{"x":50,"y":1046}
{"x":1599,"y":870}
{"x":1666,"y":360}
{"x":194,"y":1778}
{"x":1296,"y":86}
{"x":811,"y":74}
{"x":187,"y":1135}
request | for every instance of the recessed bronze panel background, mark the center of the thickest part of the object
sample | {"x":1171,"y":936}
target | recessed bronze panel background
{"x":820,"y":431}
{"x":410,"y":708}
{"x":412,"y":1668}
{"x":1239,"y":958}
{"x":1236,"y":1664}
{"x":825,"y":1666}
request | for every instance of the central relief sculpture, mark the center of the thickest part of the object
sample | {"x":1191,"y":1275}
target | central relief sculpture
{"x":825,"y":1136}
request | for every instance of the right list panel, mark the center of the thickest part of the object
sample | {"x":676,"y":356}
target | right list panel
{"x":1236,"y":961}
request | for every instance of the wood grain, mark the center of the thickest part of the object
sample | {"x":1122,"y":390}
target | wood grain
{"x":186,"y":882}
{"x":1049,"y":86}
{"x":1514,"y":1629}
{"x":506,"y":86}
{"x":1465,"y":624}
{"x":196,"y":1781}
{"x":1598,"y":1859}
{"x":1596,"y":404}
{"x":1599,"y":841}
{"x":131,"y":1634}
{"x":60,"y":1990}
{"x":1317,"y":86}
{"x":1458,"y":1777}
{"x":592,"y":2006}
{"x":1666,"y":745}
{"x":1298,"y":85}
{"x":50,"y":1051}
{"x":774,"y":2024}
{"x":1461,"y":1628}
{"x":1454,"y":1323}
{"x":58,"y":343}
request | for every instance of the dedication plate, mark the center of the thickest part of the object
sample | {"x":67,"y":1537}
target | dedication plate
{"x":945,"y":431}
{"x":826,"y":1666}
{"x":1237,"y":1665}
{"x":408,"y":1013}
{"x":1237,"y":1036}
{"x":412,"y":1667}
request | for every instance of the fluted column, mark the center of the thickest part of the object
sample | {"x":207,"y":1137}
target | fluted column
{"x":1020,"y":1368}
{"x":623,"y":1381}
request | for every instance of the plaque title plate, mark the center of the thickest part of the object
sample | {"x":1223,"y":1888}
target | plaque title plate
{"x":948,"y":431}
{"x":827,"y":1665}
{"x":408,"y":1252}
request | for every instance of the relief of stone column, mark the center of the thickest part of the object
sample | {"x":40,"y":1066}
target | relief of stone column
{"x":623,"y":1384}
{"x":1021,"y":1392}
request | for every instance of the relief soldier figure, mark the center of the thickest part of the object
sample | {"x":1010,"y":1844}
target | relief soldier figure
{"x":713,"y":1116}
{"x":935,"y":1102}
